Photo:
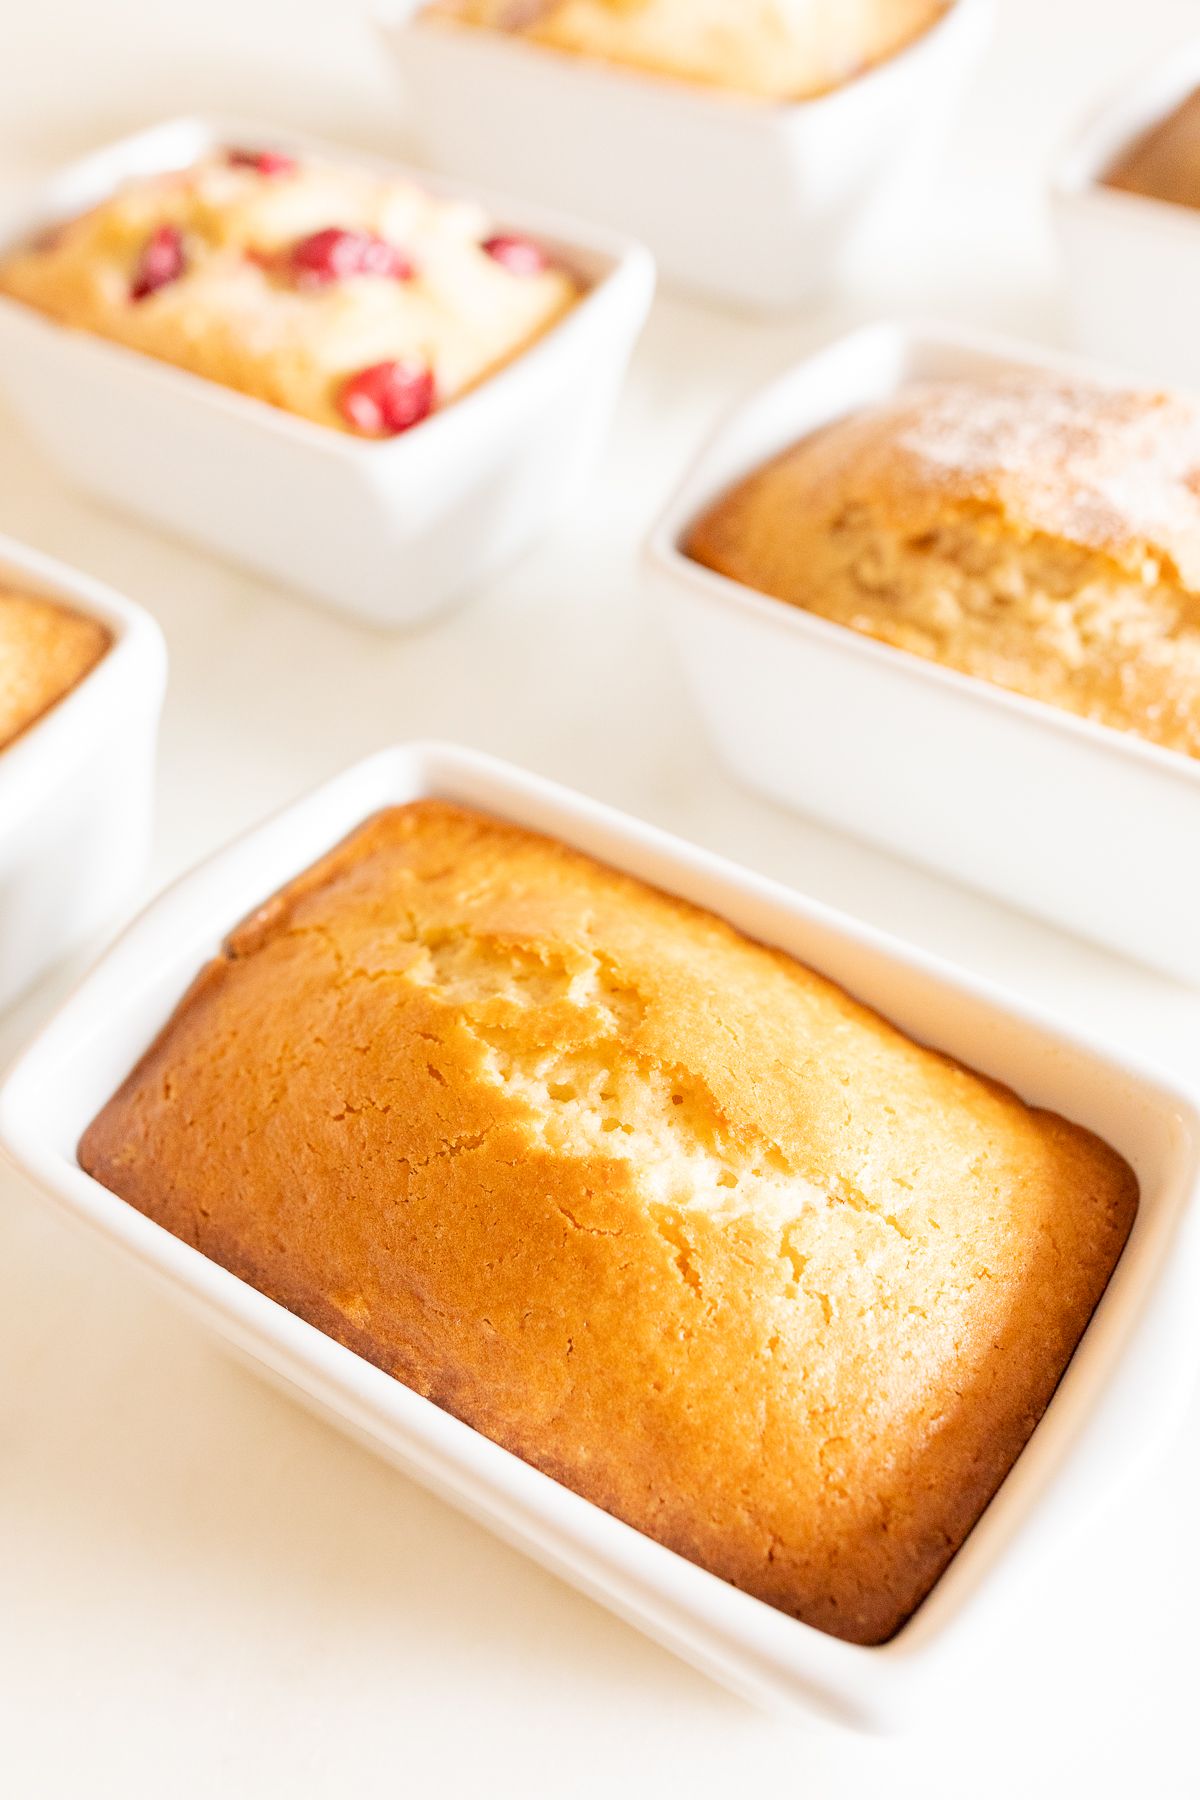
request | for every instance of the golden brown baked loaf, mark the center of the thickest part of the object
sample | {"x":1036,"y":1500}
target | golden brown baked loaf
{"x":659,"y":1209}
{"x":1164,"y":163}
{"x":1038,"y":533}
{"x":46,"y":649}
{"x":352,"y":299}
{"x":771,"y":49}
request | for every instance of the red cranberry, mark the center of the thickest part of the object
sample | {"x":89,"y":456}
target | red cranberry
{"x":519,"y":255}
{"x":333,"y":254}
{"x":162,"y":261}
{"x":263,"y":162}
{"x":388,"y":398}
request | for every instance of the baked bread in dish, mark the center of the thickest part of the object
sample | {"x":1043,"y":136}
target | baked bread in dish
{"x":653,"y":1206}
{"x":46,"y":649}
{"x":353,"y":299}
{"x":1164,"y":163}
{"x":771,"y":49}
{"x":1037,"y":532}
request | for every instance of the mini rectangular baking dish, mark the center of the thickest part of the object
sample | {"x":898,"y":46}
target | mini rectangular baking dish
{"x":1091,"y":828}
{"x":77,"y":787}
{"x":1132,"y":264}
{"x":387,"y":531}
{"x":673,"y":164}
{"x":1129,"y":1378}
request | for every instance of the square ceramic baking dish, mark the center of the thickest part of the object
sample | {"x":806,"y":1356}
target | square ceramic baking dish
{"x":76,"y":788}
{"x":389,"y":531}
{"x":1124,"y":1387}
{"x":1091,"y":828}
{"x":1132,"y":264}
{"x":751,"y":201}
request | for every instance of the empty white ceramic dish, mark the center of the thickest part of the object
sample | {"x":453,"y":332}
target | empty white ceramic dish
{"x":1128,"y":1379}
{"x":389,"y":531}
{"x":76,"y":788}
{"x":1091,"y":828}
{"x":747,"y":200}
{"x":1132,"y":264}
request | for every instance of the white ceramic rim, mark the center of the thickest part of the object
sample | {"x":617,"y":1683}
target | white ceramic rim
{"x":1149,"y":1328}
{"x":607,"y":261}
{"x":662,"y":552}
{"x":402,"y":17}
{"x":54,"y":746}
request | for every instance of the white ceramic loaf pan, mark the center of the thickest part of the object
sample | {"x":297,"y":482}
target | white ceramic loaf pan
{"x":76,"y":788}
{"x":748,"y":200}
{"x":1132,"y":264}
{"x":388,"y":531}
{"x":1091,"y":828}
{"x":1124,"y":1386}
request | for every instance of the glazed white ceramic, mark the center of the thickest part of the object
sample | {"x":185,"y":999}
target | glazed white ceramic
{"x":1122,"y":1391}
{"x":388,"y":531}
{"x":749,"y":201}
{"x":1091,"y":828}
{"x":76,"y":788}
{"x":1132,"y":264}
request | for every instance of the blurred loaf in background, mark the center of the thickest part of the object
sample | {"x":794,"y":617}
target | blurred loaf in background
{"x":46,"y":649}
{"x":1164,"y":163}
{"x":777,"y":49}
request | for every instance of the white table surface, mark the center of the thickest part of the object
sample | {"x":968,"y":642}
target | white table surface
{"x":202,"y":1590}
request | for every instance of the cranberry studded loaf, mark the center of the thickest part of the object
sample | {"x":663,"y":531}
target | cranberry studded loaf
{"x":657,"y":1208}
{"x":1164,"y":163}
{"x":1038,"y":533}
{"x":46,"y":649}
{"x":771,"y":49}
{"x":349,"y":298}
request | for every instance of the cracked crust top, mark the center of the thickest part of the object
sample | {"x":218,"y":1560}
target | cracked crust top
{"x":1111,"y":470}
{"x":1038,"y":533}
{"x":655,"y":1207}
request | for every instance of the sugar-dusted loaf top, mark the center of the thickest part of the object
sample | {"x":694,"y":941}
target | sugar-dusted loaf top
{"x":356,"y":299}
{"x":1108,"y":469}
{"x":655,"y":1207}
{"x":1037,"y":531}
{"x":45,"y":650}
{"x":773,"y":49}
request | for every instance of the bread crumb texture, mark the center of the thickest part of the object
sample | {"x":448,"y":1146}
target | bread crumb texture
{"x":46,"y":649}
{"x":770,"y":49}
{"x":1040,"y":534}
{"x":655,"y":1207}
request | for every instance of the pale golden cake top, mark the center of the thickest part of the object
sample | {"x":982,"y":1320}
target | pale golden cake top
{"x":659,"y":1209}
{"x":772,"y":49}
{"x":1038,"y":532}
{"x":355,"y":299}
{"x":1110,"y":469}
{"x":45,"y":650}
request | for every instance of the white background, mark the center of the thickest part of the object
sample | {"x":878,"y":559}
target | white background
{"x":202,"y":1590}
